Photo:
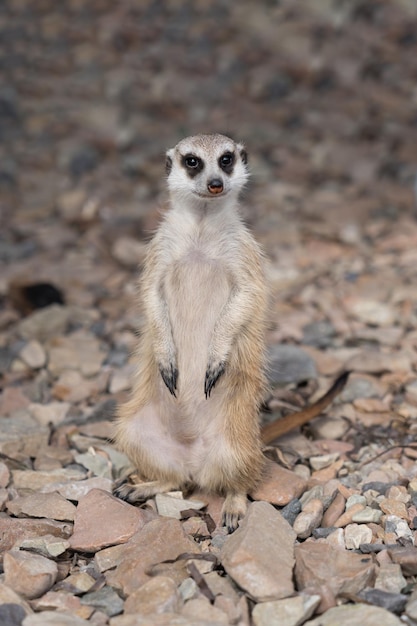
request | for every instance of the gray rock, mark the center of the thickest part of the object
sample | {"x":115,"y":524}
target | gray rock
{"x":289,"y":364}
{"x":411,"y":608}
{"x":105,"y":600}
{"x":291,"y":511}
{"x":319,"y":334}
{"x":394,"y":602}
{"x":354,"y":614}
{"x":287,"y":612}
{"x":20,"y":434}
{"x":11,"y":614}
{"x":360,"y":387}
{"x":261,"y":566}
{"x":46,"y":323}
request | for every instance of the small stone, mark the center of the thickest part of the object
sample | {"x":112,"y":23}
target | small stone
{"x":170,"y":506}
{"x":77,"y":490}
{"x":411,"y":608}
{"x":390,"y":578}
{"x":128,"y":251}
{"x":81,"y":581}
{"x":9,"y":598}
{"x":62,"y":602}
{"x":263,"y":569}
{"x":51,"y":321}
{"x":400,"y":527}
{"x":394,"y":602}
{"x":201,"y":609}
{"x":47,"y":545}
{"x":287,"y":612}
{"x":31,"y":575}
{"x":11,"y":614}
{"x":357,"y":534}
{"x":361,"y":386}
{"x":289,"y":364}
{"x":323,"y":564}
{"x":334,"y":511}
{"x":105,"y":600}
{"x":320,"y":462}
{"x":96,"y":462}
{"x":33,"y":354}
{"x":188,"y":589}
{"x":394,"y":507}
{"x":406,"y":557}
{"x":54,"y":618}
{"x":308,"y":519}
{"x":52,"y":413}
{"x":374,"y":312}
{"x":13,"y":530}
{"x":279,"y":486}
{"x":367,"y":515}
{"x":121,"y":379}
{"x":354,"y":614}
{"x":4,"y":475}
{"x":50,"y":505}
{"x":158,"y":595}
{"x":118,"y":521}
{"x":291,"y":511}
{"x":35,"y":480}
{"x":80,"y":351}
{"x":22,"y":434}
{"x":356,"y":498}
{"x":347,"y":517}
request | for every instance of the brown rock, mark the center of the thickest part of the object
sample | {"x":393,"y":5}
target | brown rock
{"x":326,"y":474}
{"x":201,"y":609}
{"x":406,"y":556}
{"x":102,"y":520}
{"x":319,"y":564}
{"x":13,"y":530}
{"x":394,"y":507}
{"x":50,"y":505}
{"x":263,"y":568}
{"x":4,"y":475}
{"x":157,"y":595}
{"x":64,"y":602}
{"x":36,"y":480}
{"x":159,"y":540}
{"x":79,"y":351}
{"x":279,"y":486}
{"x":309,"y":518}
{"x":54,"y":618}
{"x":12,"y":399}
{"x":22,"y":435}
{"x":347,"y":517}
{"x":334,"y":511}
{"x":31,"y":575}
{"x":77,"y":490}
{"x":9,"y":596}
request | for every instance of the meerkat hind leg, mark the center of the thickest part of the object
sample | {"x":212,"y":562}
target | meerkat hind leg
{"x":234,"y":508}
{"x":139,"y":492}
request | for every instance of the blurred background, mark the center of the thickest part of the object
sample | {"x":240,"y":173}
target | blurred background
{"x":323,"y":94}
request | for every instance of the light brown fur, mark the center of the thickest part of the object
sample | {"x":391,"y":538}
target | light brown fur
{"x":205,"y":298}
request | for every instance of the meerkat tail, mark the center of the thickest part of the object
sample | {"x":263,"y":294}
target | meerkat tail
{"x":281,"y":426}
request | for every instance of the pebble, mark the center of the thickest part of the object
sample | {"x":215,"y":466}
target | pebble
{"x":324,"y":460}
{"x":280,"y":486}
{"x":394,"y":602}
{"x":36,"y":480}
{"x":291,"y":511}
{"x":261,"y":567}
{"x":323,"y":564}
{"x":118,"y":521}
{"x":394,"y":507}
{"x":9,"y":598}
{"x":160,"y":595}
{"x":347,"y":516}
{"x":406,"y":557}
{"x":105,"y":599}
{"x":287,"y":612}
{"x":367,"y":515}
{"x":80,"y":351}
{"x":50,"y":505}
{"x":357,"y":534}
{"x":62,"y":602}
{"x":54,"y":618}
{"x":51,"y":321}
{"x":201,"y":609}
{"x":51,"y":413}
{"x":354,"y":614}
{"x":289,"y":364}
{"x":389,"y":578}
{"x":11,"y":614}
{"x":411,"y":607}
{"x":77,"y":490}
{"x":4,"y":475}
{"x":309,"y":519}
{"x":334,"y":511}
{"x":170,"y":506}
{"x":30,"y":575}
{"x":22,"y":435}
{"x":46,"y":545}
{"x":33,"y":354}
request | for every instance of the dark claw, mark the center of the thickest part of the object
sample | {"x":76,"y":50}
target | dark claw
{"x":170,"y":378}
{"x":212,"y":376}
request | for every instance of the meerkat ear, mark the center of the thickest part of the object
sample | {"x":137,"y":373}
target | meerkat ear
{"x":242,"y":152}
{"x":168,"y":161}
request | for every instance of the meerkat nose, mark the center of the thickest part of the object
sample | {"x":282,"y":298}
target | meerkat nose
{"x":215,"y":186}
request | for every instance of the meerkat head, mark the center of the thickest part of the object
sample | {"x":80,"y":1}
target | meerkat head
{"x":206,"y":168}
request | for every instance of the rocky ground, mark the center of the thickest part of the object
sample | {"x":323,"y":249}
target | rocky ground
{"x":324,"y":95}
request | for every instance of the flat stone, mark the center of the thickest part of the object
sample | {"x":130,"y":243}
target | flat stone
{"x":47,"y":545}
{"x":323,"y":564}
{"x":102,"y":520}
{"x":406,"y":557}
{"x":14,"y":530}
{"x":51,"y":321}
{"x":80,"y":351}
{"x":105,"y":599}
{"x":389,"y":578}
{"x":287,"y":612}
{"x":200,"y":608}
{"x":159,"y":540}
{"x":393,"y":507}
{"x":73,"y":387}
{"x":354,"y":614}
{"x":170,"y":506}
{"x":158,"y":595}
{"x":12,"y":399}
{"x":324,"y":460}
{"x":261,"y":567}
{"x":50,"y":505}
{"x":31,"y":575}
{"x":52,"y":413}
{"x":361,"y":386}
{"x":289,"y":364}
{"x":334,"y":511}
{"x":96,"y":462}
{"x":36,"y":480}
{"x":77,"y":490}
{"x":367,"y":515}
{"x":22,"y":435}
{"x":347,"y":517}
{"x":394,"y":602}
{"x":54,"y":618}
{"x":81,"y":581}
{"x":33,"y":354}
{"x":9,"y":597}
{"x":374,"y":312}
{"x":62,"y":602}
{"x":279,"y":485}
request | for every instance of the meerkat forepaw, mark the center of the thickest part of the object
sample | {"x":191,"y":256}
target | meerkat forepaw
{"x":169,"y":376}
{"x":234,"y":509}
{"x":213,"y":373}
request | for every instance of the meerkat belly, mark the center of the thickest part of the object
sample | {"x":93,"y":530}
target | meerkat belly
{"x":196,"y":290}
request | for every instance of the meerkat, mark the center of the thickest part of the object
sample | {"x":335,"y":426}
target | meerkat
{"x":192,"y":418}
{"x":193,"y":415}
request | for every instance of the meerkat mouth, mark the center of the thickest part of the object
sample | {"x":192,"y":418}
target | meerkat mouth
{"x":211,"y":196}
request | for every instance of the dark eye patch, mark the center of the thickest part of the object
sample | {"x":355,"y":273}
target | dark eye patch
{"x":192,"y":164}
{"x":226,"y":162}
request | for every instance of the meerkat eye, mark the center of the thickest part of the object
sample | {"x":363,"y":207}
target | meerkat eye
{"x":191,"y":161}
{"x":226,"y":160}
